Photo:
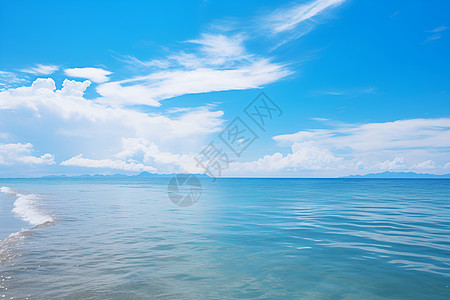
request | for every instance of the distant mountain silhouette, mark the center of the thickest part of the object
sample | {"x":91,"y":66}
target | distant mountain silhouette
{"x":398,"y":175}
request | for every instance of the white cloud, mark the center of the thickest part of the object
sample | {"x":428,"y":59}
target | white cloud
{"x":438,"y":29}
{"x":289,"y":19}
{"x":436,"y":33}
{"x":11,"y":154}
{"x":41,"y":69}
{"x":217,"y":63}
{"x":166,"y":162}
{"x":304,"y":156}
{"x":152,"y":63}
{"x":362,"y":148}
{"x":9,"y":79}
{"x":427,"y":164}
{"x":432,"y":38}
{"x":155,"y":141}
{"x":65,"y":115}
{"x":94,"y":74}
{"x":397,"y":163}
{"x":402,"y":134}
{"x":350,"y":93}
{"x":80,"y":161}
{"x":401,"y":145}
{"x":219,"y":49}
{"x":69,"y":103}
{"x":168,"y":84}
{"x":139,"y":154}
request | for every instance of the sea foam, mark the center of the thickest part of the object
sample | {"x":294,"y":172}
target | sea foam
{"x":27,"y":208}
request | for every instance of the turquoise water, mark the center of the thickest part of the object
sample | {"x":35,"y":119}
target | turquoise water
{"x":244,"y":238}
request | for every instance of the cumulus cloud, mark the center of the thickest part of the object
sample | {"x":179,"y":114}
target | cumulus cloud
{"x":139,"y":154}
{"x":166,"y":162}
{"x":69,"y":103}
{"x":397,"y":163}
{"x":82,"y":122}
{"x":96,"y":75}
{"x":425,"y":165}
{"x":304,"y":156}
{"x":418,"y":145}
{"x":400,"y":145}
{"x":11,"y":154}
{"x":66,"y":102}
{"x":41,"y":69}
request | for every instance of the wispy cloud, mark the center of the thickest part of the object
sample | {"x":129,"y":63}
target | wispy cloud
{"x":217,"y":60}
{"x":137,"y":63}
{"x":288,"y":19}
{"x":9,"y":79}
{"x":438,"y":29}
{"x":437,"y":33}
{"x":356,"y":92}
{"x":432,"y":38}
{"x":40,"y":69}
{"x":397,"y":135}
{"x":216,"y":63}
{"x":96,"y":75}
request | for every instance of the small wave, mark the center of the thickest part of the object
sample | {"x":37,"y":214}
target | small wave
{"x":27,"y":208}
{"x":7,"y":190}
{"x":5,"y":245}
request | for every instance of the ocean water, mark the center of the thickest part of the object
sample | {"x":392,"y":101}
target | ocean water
{"x":244,"y":239}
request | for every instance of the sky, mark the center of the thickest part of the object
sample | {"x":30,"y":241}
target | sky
{"x":321,"y":88}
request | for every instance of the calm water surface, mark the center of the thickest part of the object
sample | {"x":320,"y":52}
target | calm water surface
{"x":245,"y":238}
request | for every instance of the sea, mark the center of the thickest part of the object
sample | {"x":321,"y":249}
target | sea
{"x":252,"y":238}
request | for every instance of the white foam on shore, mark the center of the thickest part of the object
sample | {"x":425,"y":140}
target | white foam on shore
{"x":27,"y":208}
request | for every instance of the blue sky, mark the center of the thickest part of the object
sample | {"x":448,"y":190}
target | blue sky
{"x":130,"y":86}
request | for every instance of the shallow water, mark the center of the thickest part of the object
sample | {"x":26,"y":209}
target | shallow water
{"x":244,"y":238}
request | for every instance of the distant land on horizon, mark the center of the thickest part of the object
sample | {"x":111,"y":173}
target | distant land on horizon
{"x":388,"y":174}
{"x":145,"y":174}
